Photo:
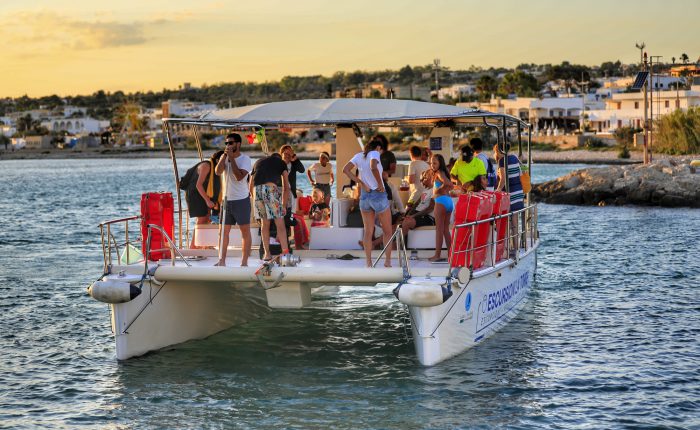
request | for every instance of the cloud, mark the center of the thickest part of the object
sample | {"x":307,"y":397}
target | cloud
{"x":47,"y":31}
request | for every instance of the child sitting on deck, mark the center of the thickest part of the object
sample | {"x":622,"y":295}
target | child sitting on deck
{"x":420,"y":212}
{"x":319,"y":213}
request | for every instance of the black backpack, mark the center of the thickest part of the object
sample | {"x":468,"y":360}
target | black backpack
{"x":186,"y":180}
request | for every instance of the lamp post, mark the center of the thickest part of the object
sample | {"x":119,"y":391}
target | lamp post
{"x":651,"y":103}
{"x":646,"y":107}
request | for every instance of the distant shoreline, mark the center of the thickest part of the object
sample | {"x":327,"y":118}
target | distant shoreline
{"x":545,"y":157}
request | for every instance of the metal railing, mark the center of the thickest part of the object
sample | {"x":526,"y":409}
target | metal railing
{"x":401,"y":249}
{"x":520,"y":233}
{"x":111,"y":247}
{"x":172,"y":248}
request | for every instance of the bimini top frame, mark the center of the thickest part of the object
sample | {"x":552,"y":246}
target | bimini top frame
{"x":334,"y":112}
{"x":354,"y":113}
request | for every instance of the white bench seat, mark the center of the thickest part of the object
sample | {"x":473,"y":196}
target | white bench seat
{"x":208,"y":235}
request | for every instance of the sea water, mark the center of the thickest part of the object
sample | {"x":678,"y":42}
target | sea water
{"x":608,"y":339}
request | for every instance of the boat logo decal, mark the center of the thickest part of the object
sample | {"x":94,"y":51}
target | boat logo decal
{"x":468,"y":302}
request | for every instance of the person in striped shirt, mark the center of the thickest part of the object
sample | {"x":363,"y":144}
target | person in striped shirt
{"x":512,"y":166}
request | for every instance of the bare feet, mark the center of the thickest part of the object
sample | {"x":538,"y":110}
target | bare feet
{"x":387,"y":263}
{"x":435,"y":257}
{"x":221,"y":263}
{"x":362,"y":245}
{"x":244,"y":264}
{"x":368,"y":263}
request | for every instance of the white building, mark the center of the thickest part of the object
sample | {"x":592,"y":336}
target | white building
{"x":75,"y":125}
{"x":68,"y":111}
{"x":456,"y":91}
{"x":562,"y":113}
{"x":614,"y":85}
{"x":184,"y":108}
{"x":627,"y":109}
{"x":413,"y":92}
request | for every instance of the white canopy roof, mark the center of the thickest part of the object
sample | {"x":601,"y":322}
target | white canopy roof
{"x":347,"y":111}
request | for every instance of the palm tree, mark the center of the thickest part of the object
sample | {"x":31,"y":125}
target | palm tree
{"x":684,"y":58}
{"x":26,"y":123}
{"x":673,"y":60}
{"x":486,"y":85}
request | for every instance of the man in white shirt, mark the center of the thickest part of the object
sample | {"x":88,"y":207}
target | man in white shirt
{"x":415,"y":170}
{"x":235,"y":167}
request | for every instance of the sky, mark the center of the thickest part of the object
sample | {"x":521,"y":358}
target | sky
{"x":70,"y":47}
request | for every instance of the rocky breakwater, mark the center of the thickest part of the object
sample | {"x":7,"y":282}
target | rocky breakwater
{"x":668,"y":182}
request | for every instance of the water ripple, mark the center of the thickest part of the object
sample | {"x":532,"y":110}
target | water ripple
{"x":609,"y":338}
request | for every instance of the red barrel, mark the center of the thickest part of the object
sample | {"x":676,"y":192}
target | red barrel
{"x":470,"y":207}
{"x":157,"y":208}
{"x":500,"y":207}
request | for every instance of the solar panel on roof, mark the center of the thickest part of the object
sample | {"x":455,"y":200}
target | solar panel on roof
{"x":640,"y":80}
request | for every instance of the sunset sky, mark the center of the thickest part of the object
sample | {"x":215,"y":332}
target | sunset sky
{"x":79,"y":46}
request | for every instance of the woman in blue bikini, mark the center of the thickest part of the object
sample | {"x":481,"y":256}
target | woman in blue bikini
{"x":443,"y":204}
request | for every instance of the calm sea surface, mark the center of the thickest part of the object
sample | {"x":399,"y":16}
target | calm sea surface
{"x":609,"y":339}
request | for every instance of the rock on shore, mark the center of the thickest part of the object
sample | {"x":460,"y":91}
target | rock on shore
{"x":668,"y":182}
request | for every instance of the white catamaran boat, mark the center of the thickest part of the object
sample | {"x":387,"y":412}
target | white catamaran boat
{"x":159,"y":302}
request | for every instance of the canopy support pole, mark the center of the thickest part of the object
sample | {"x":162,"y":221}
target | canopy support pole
{"x":177,"y":183}
{"x":197,"y":141}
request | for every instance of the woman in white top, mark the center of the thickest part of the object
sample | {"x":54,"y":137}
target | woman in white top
{"x":373,"y":199}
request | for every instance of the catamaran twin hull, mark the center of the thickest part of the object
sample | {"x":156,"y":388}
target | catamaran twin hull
{"x":181,"y":303}
{"x":160,"y":304}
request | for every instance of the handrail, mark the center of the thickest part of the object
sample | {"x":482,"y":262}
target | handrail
{"x":401,"y":249}
{"x":173,"y":248}
{"x":118,"y":220}
{"x":525,"y":237}
{"x":110,"y":246}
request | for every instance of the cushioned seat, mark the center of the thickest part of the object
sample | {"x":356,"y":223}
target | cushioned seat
{"x":423,"y":238}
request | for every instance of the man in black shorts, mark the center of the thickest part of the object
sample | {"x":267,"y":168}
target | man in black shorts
{"x":270,"y":178}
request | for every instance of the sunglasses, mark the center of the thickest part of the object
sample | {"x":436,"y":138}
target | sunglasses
{"x":231,"y":142}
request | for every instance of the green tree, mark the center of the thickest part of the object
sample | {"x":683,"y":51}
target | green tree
{"x":608,"y":68}
{"x":679,"y":132}
{"x":568,"y":71}
{"x":519,"y":83}
{"x":406,"y":75}
{"x":485,"y":86}
{"x":684,"y":58}
{"x":25,"y":124}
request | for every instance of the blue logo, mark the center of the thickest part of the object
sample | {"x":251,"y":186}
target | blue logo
{"x":468,"y":302}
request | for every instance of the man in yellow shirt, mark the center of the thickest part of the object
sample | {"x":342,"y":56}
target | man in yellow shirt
{"x":467,"y":168}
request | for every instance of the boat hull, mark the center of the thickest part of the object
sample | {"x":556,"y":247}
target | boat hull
{"x":175,"y":312}
{"x":476,"y":310}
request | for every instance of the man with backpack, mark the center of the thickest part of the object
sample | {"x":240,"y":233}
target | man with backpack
{"x":202,"y":191}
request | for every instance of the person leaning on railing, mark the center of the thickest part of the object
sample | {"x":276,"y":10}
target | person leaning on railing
{"x":200,"y":200}
{"x":511,"y":166}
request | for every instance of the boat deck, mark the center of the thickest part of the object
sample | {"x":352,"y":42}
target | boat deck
{"x":315,"y":266}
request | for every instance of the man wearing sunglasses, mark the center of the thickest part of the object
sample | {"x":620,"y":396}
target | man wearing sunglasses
{"x":234,"y":167}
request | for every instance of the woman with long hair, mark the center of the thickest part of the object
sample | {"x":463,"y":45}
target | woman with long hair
{"x":443,"y":204}
{"x":373,"y":199}
{"x":204,"y":192}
